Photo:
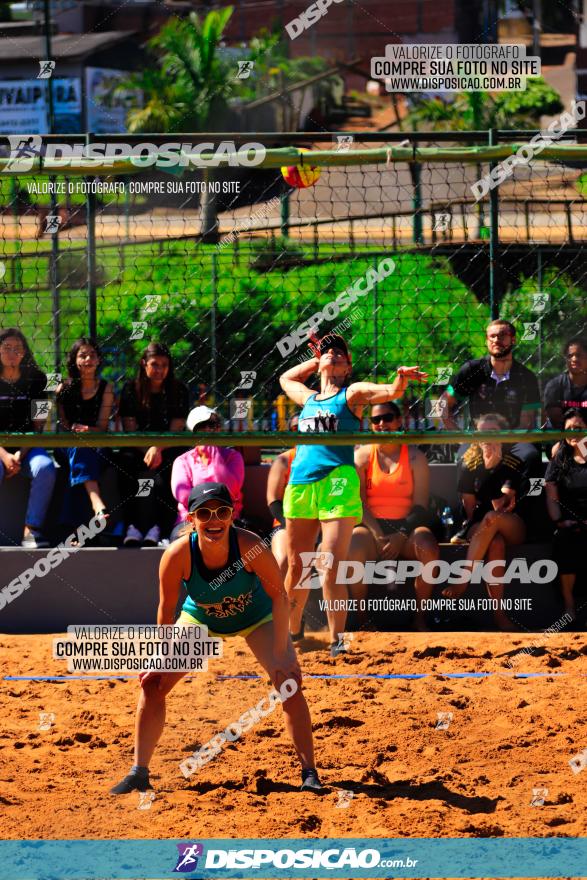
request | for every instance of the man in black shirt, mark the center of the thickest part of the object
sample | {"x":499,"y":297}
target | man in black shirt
{"x":497,"y":383}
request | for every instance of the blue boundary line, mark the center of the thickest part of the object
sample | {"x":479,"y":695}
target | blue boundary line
{"x":369,"y":676}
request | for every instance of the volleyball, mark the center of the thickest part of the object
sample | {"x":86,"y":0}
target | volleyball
{"x":301,"y":176}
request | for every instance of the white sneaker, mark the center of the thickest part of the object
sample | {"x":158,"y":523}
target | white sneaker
{"x":152,"y":537}
{"x":34,"y":541}
{"x":133,"y":537}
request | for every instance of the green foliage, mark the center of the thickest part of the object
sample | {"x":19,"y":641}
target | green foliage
{"x":273,"y":70}
{"x":73,"y":270}
{"x":188,"y":87}
{"x":269,"y":253}
{"x":424,"y":313}
{"x":191,"y":81}
{"x":581,"y":184}
{"x":481,"y":110}
{"x":565,"y":316}
{"x":521,"y":109}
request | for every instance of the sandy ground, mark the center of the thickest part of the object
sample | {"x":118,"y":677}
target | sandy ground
{"x":375,"y":738}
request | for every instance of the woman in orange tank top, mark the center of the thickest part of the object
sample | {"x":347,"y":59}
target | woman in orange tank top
{"x":394,"y":490}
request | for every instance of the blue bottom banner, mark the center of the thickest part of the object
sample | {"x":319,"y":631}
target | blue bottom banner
{"x":309,"y":858}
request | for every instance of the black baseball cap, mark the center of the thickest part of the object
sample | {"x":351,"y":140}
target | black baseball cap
{"x":333,"y":340}
{"x":208,"y":492}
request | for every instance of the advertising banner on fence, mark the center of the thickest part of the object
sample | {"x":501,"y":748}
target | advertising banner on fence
{"x":23,"y":105}
{"x":104,"y":114}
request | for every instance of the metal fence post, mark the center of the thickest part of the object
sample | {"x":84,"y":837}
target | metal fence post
{"x":91,"y":254}
{"x":284,"y":220}
{"x":53,"y":264}
{"x":494,"y":274}
{"x":15,"y":263}
{"x":54,"y":280}
{"x":375,"y":323}
{"x":417,"y":232}
{"x":214,"y":353}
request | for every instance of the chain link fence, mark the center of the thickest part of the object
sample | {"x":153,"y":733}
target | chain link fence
{"x":224,"y":265}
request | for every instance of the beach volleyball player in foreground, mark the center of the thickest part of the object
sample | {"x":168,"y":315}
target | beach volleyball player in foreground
{"x":249,"y":602}
{"x":324,"y":488}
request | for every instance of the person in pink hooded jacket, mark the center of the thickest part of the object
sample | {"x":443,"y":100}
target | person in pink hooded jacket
{"x":206,"y":464}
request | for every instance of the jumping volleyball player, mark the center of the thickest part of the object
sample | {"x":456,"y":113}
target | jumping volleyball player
{"x":251,"y":603}
{"x":324,"y":488}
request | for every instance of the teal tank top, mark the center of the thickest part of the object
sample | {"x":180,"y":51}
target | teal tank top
{"x":312,"y":463}
{"x":236,"y":601}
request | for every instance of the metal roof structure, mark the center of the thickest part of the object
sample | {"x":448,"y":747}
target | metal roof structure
{"x":69,"y":47}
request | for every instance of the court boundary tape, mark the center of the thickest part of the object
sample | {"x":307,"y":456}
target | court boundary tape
{"x":366,"y":676}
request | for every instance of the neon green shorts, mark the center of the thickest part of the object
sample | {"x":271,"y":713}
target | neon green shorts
{"x":335,"y":496}
{"x":184,"y":617}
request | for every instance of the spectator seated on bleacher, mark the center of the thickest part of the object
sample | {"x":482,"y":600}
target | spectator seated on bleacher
{"x":85,"y":403}
{"x":24,"y":409}
{"x":497,"y":383}
{"x":566,"y":493}
{"x":395,"y":492}
{"x":157,"y":402}
{"x":568,"y":390}
{"x":492,"y":481}
{"x":206,"y":464}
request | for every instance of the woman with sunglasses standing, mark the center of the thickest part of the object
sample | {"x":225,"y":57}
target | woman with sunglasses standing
{"x":206,"y":464}
{"x":235,"y":588}
{"x":324,"y":489}
{"x":395,"y":492}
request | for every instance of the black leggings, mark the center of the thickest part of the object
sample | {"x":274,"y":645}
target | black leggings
{"x":155,"y":506}
{"x":569,"y":550}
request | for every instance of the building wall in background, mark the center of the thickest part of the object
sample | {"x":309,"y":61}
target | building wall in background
{"x":346,"y":30}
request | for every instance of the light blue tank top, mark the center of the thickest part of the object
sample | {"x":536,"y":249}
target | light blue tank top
{"x":312,"y":463}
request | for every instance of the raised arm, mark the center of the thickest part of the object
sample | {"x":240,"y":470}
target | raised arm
{"x":292,"y":381}
{"x":360,"y":393}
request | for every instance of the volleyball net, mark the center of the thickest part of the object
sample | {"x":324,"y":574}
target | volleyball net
{"x":404,"y":244}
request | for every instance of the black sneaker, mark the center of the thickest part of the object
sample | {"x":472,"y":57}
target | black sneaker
{"x":337,"y":648}
{"x":132,"y":782}
{"x":310,"y":780}
{"x":297,"y":637}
